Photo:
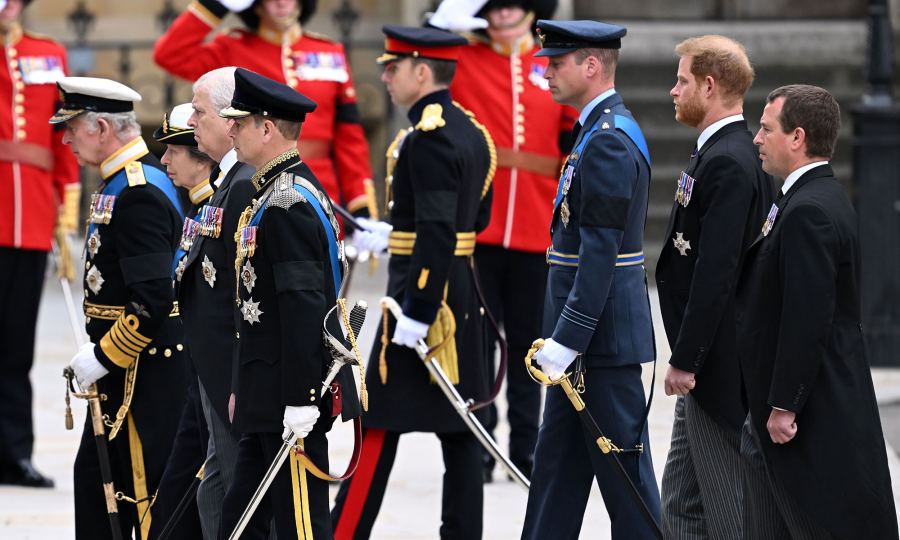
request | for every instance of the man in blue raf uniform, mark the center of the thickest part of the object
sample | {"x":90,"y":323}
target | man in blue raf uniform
{"x":597,"y":311}
{"x":135,"y":354}
{"x":289,"y":266}
{"x":442,"y":169}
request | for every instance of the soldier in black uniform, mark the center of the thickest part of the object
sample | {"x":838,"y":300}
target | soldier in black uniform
{"x":442,"y":170}
{"x":290,"y":266}
{"x":136,"y":350}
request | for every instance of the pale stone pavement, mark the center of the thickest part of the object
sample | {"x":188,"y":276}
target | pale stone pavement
{"x":411,"y":507}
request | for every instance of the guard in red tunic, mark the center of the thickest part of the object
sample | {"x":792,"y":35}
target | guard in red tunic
{"x":276,"y":46}
{"x":500,"y":80}
{"x":39,"y":189}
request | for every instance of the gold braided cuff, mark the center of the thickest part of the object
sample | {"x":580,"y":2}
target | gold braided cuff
{"x":123,"y":343}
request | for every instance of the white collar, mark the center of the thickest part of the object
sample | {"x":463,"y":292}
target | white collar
{"x":133,"y":150}
{"x":228,"y":161}
{"x":716,"y":126}
{"x":586,"y":111}
{"x":794,"y":176}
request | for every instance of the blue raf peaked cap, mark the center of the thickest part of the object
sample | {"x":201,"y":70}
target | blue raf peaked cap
{"x":255,"y":94}
{"x":563,"y":37}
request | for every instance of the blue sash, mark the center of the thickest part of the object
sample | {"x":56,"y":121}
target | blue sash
{"x":326,"y":223}
{"x":629,"y":127}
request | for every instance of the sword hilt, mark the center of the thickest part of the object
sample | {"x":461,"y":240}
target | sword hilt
{"x":357,"y":317}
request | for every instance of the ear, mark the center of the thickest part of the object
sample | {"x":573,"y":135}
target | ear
{"x":103,"y":128}
{"x":798,"y":139}
{"x":709,"y":86}
{"x":421,"y":72}
{"x":268,"y":128}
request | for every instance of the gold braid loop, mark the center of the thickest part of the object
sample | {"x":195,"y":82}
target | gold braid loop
{"x":492,"y":149}
{"x":363,"y":393}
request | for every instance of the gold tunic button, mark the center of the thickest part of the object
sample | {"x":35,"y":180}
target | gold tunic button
{"x":167,"y":353}
{"x":87,"y":265}
{"x":13,"y":64}
{"x":152,"y":350}
{"x":20,"y":98}
{"x":20,"y":108}
{"x":312,"y":391}
{"x":20,"y":121}
{"x":20,"y":133}
{"x":520,"y":139}
{"x":180,"y":347}
{"x":520,"y":88}
{"x":312,"y":398}
{"x":520,"y":117}
{"x":85,"y":292}
{"x":19,"y":85}
{"x":12,"y":52}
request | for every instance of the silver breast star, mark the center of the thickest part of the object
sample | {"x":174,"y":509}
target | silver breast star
{"x":179,"y":270}
{"x":248,"y":276}
{"x":209,"y":271}
{"x":94,"y":280}
{"x":681,"y":244}
{"x":93,"y":244}
{"x":251,"y":311}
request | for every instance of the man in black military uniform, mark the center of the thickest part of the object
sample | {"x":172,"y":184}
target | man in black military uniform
{"x":815,"y":464}
{"x":441,"y":172}
{"x":721,"y":198}
{"x":290,"y":266}
{"x":136,"y":352}
{"x":597,"y":312}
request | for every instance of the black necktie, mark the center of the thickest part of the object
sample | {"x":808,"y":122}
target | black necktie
{"x":576,"y":129}
{"x":213,"y":176}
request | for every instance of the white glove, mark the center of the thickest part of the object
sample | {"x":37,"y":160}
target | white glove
{"x":554,"y":359}
{"x":459,"y":15}
{"x":86,"y":366}
{"x":409,"y":332}
{"x":374,"y":237}
{"x":236,"y":6}
{"x":300,"y":420}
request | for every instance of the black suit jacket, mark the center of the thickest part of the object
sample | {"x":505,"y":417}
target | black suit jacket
{"x":802,"y":349}
{"x":208,"y":311}
{"x":730,"y":198}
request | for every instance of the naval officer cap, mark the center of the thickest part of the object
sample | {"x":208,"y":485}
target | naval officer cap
{"x":563,"y":37}
{"x":255,"y":94}
{"x":409,"y":41}
{"x":175,"y":128}
{"x":90,"y":94}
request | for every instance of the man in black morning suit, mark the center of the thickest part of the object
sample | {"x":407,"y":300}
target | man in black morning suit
{"x":721,"y":198}
{"x":813,"y":449}
{"x":290,"y":270}
{"x":442,"y":171}
{"x":597,"y":311}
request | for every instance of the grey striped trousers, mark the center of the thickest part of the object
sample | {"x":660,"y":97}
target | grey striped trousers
{"x":219,"y":472}
{"x":770,"y":513}
{"x":701,"y":483}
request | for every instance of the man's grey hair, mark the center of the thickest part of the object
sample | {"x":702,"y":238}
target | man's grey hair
{"x":219,"y":85}
{"x":124,"y":125}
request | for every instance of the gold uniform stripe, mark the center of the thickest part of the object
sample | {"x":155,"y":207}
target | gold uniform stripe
{"x":111,"y":313}
{"x":402,"y":243}
{"x":300,"y":490}
{"x":139,"y":476}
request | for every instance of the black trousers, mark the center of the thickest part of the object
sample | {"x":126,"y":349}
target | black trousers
{"x":255,"y":453}
{"x":188,"y":455}
{"x":21,"y":282}
{"x":359,"y":497}
{"x":513,"y":283}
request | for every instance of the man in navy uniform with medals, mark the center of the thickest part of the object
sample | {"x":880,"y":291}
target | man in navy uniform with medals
{"x":290,"y":266}
{"x":597,"y":312}
{"x":720,"y":200}
{"x":136,"y":352}
{"x":442,"y":169}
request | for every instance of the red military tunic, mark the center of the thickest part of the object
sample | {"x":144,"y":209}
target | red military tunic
{"x":332,"y":142}
{"x":35,"y":167}
{"x":506,"y":89}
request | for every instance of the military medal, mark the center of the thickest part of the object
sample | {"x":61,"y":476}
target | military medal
{"x":179,"y":270}
{"x":770,"y":220}
{"x":685,"y":189}
{"x":564,"y":212}
{"x":189,"y":232}
{"x":210,"y":221}
{"x":93,"y":243}
{"x":101,"y":208}
{"x":247,"y":245}
{"x":251,"y":311}
{"x":248,"y":276}
{"x":94,"y":280}
{"x":209,"y":271}
{"x":681,"y":244}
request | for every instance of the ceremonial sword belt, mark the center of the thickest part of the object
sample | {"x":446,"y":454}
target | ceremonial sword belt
{"x":111,"y":313}
{"x":402,"y":242}
{"x":566,"y":259}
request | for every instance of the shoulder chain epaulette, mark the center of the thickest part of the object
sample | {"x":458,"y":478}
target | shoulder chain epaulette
{"x":283,"y":193}
{"x":492,"y":149}
{"x":134,"y":171}
{"x":324,"y":201}
{"x":432,"y":118}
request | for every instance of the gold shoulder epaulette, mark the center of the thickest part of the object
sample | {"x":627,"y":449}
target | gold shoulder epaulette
{"x":135,"y":173}
{"x":317,"y":35}
{"x":432,"y":118}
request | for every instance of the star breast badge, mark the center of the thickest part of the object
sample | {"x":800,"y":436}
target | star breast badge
{"x":681,"y":244}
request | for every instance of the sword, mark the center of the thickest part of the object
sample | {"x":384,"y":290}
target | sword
{"x":604,"y":443}
{"x":94,"y":397}
{"x":460,"y":405}
{"x":341,"y":356}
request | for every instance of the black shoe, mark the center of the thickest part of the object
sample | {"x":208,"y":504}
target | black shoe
{"x":23,"y":473}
